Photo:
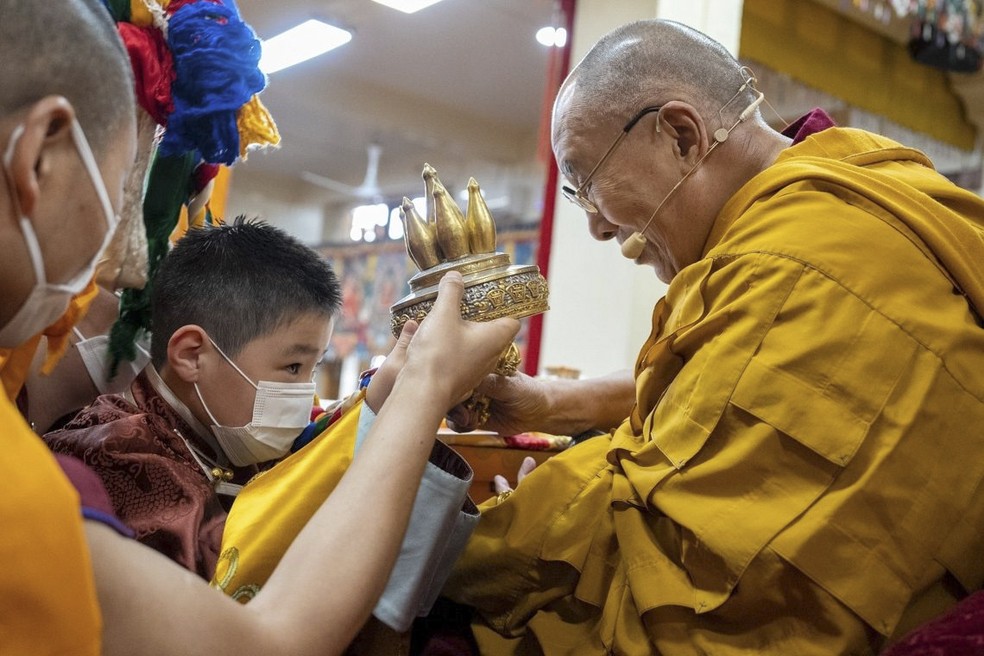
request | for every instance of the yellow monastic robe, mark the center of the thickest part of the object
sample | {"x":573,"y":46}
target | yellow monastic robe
{"x":802,"y":473}
{"x":48,"y":603}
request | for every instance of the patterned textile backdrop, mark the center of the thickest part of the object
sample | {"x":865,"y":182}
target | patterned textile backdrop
{"x":373,"y":277}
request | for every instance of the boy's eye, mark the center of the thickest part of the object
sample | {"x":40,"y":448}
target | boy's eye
{"x":294,"y":369}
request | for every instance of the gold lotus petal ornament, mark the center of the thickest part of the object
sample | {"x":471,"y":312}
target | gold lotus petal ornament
{"x":494,"y":287}
{"x":452,"y":234}
{"x":429,"y":175}
{"x":419,"y":235}
{"x":481,"y":225}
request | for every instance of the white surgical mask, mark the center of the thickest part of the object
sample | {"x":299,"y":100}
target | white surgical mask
{"x":280,"y":412}
{"x":95,"y":356}
{"x":48,"y":301}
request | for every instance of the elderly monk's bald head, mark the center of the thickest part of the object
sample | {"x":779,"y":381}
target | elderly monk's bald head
{"x":649,"y":62}
{"x":668,"y":90}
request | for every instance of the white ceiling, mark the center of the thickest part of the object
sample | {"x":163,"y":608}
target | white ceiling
{"x":459,"y":84}
{"x":458,"y":81}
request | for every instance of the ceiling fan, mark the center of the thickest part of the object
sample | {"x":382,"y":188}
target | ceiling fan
{"x":369,"y":189}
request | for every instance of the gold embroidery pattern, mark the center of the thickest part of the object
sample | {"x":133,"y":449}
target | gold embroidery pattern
{"x":225,"y":572}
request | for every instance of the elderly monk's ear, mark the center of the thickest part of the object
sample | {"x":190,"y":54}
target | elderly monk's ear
{"x":682,"y":123}
{"x":184,"y":351}
{"x":48,"y":122}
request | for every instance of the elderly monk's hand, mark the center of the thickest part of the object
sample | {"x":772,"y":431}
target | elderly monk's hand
{"x":382,"y":381}
{"x":516,"y":403}
{"x":452,"y":353}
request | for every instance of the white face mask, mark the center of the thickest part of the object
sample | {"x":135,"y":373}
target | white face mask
{"x":48,"y":301}
{"x":95,"y":356}
{"x":280,"y":412}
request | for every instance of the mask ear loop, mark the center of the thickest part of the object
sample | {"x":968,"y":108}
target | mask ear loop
{"x":233,"y":364}
{"x":205,"y":405}
{"x":27,"y":229}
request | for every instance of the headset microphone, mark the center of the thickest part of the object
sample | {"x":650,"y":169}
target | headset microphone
{"x":633,"y":246}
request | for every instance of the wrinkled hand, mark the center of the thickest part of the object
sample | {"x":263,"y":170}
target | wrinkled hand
{"x":454,"y":354}
{"x":382,"y":381}
{"x":500,"y":484}
{"x":517,"y":403}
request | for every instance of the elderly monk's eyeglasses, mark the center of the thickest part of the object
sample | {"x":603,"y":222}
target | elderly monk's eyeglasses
{"x":579,"y":196}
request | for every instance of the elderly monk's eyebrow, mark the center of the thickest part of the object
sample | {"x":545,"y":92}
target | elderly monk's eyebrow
{"x":568,"y":170}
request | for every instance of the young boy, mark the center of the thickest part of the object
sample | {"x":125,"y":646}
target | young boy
{"x":241,"y":313}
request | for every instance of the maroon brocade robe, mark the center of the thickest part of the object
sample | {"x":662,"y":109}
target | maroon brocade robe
{"x":134,"y":442}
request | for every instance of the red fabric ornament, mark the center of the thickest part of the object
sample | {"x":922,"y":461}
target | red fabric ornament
{"x":204,"y":173}
{"x":175,"y":5}
{"x":153,"y":69}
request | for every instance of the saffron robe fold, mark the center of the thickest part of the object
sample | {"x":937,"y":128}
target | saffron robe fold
{"x":802,"y":471}
{"x":48,"y":602}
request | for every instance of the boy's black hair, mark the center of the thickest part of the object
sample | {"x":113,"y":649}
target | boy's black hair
{"x":238,"y":281}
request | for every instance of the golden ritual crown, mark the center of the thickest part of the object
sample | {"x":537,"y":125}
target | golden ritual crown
{"x":447,"y":240}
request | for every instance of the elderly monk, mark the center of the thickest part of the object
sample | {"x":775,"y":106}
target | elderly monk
{"x":72,"y":581}
{"x":801,"y":470}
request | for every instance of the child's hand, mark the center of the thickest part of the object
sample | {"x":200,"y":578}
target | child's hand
{"x":451,"y":354}
{"x":382,"y":381}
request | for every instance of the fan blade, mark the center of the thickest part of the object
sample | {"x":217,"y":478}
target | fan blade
{"x":371,"y":181}
{"x":331,"y":185}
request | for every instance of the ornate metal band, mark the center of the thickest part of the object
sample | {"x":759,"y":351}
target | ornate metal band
{"x":516,"y":295}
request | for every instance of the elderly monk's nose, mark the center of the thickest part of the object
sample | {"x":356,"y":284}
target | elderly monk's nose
{"x":600,"y":228}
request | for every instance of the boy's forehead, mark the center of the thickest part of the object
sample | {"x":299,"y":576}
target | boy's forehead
{"x":307,"y":334}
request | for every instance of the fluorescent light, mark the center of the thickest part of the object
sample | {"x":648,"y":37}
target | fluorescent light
{"x":309,"y":39}
{"x":552,"y":36}
{"x":408,"y":6}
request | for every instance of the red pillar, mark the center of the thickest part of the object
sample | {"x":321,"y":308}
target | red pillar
{"x":556,"y":72}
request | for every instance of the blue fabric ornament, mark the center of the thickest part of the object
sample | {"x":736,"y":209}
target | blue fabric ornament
{"x":216,"y":57}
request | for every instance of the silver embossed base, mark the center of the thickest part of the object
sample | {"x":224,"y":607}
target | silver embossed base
{"x":492,"y":290}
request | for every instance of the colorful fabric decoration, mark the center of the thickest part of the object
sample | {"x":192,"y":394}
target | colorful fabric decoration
{"x":216,"y":61}
{"x":15,"y":364}
{"x":196,"y":73}
{"x":167,"y":191}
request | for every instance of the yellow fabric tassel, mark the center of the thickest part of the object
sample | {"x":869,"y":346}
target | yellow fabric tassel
{"x":182,"y":226}
{"x":140,"y":11}
{"x":256,"y":126}
{"x":15,"y":364}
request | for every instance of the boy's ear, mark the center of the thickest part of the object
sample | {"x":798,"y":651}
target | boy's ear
{"x":184,"y":351}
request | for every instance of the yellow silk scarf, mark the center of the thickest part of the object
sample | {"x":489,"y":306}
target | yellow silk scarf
{"x":273,"y":507}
